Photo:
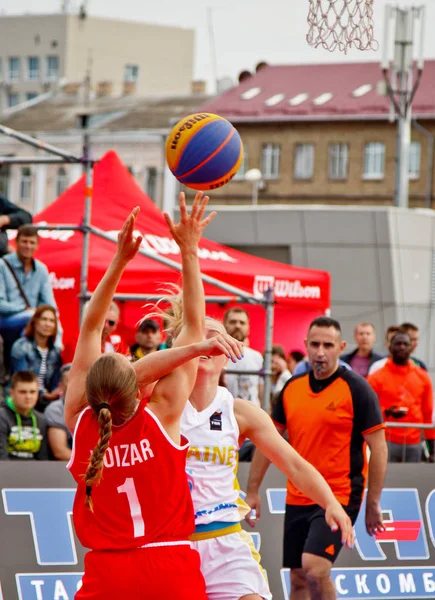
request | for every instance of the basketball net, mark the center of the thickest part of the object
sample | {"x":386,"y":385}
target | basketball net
{"x":341,"y":24}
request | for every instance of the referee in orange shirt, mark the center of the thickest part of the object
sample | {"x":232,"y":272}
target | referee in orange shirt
{"x":330,"y":414}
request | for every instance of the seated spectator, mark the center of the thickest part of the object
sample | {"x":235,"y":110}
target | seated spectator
{"x":36,"y":352}
{"x":414,"y":335}
{"x":11,"y":217}
{"x":391,"y":331}
{"x":59,"y":436}
{"x":405,"y":394}
{"x":363,"y":356}
{"x":23,"y":431}
{"x":110,"y":340}
{"x":148,"y":338}
{"x":24,"y":285}
{"x":294,"y":358}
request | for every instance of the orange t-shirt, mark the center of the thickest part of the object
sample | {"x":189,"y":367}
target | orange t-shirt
{"x":326,"y":422}
{"x":406,"y":386}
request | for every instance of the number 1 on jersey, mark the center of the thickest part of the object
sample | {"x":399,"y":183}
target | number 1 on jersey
{"x":136,"y":514}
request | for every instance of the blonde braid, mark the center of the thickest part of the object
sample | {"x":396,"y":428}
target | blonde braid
{"x":96,"y":462}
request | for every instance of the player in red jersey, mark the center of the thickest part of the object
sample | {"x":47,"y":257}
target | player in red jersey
{"x":133,"y":507}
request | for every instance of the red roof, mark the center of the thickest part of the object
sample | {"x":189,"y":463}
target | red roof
{"x":317,"y":92}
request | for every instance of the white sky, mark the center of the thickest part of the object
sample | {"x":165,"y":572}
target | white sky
{"x":245,"y":31}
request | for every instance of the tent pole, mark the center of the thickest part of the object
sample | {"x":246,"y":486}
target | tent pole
{"x":39,"y":144}
{"x":269,"y":302}
{"x":86,"y":216}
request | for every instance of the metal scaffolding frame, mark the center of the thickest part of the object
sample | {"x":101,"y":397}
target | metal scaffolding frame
{"x":60,"y":156}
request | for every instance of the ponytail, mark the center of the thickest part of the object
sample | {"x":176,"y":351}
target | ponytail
{"x":96,"y":462}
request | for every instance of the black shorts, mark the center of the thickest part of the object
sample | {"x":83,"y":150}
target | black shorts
{"x":305,"y":530}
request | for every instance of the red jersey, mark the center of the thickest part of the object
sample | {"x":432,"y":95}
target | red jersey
{"x":143,"y":496}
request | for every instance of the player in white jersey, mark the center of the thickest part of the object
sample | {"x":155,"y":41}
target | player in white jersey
{"x":216,"y":424}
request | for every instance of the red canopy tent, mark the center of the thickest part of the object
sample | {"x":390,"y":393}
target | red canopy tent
{"x":301,"y":294}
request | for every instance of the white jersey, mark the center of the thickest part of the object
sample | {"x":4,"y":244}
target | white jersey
{"x":212,"y":460}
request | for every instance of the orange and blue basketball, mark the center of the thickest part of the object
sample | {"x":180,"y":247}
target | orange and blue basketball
{"x":204,"y":151}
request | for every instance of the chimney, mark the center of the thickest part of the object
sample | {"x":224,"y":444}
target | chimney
{"x":199,"y":87}
{"x":72,"y":88}
{"x":104,"y":88}
{"x":129,"y":88}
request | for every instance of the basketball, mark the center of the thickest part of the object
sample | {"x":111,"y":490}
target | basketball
{"x":204,"y":151}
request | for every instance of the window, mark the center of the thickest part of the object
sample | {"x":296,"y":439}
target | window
{"x":338,"y":160}
{"x":52,"y":68}
{"x":374,"y":160}
{"x":270,"y":161}
{"x":414,"y":160}
{"x":13,"y":100}
{"x":304,"y":161}
{"x":5,"y":175}
{"x":25,"y":184}
{"x":61,"y":181}
{"x":151,"y":182}
{"x":243,"y":166}
{"x":131,"y":73}
{"x":30,"y":96}
{"x":33,"y":68}
{"x":14,"y":68}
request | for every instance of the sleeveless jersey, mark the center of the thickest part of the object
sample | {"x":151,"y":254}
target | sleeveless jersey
{"x":143,"y":496}
{"x":212,"y":460}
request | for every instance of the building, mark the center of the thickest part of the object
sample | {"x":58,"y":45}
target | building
{"x":325,"y":134}
{"x":135,"y":127}
{"x":41,"y":52}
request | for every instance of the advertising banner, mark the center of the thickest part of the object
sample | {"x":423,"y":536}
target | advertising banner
{"x":41,"y":559}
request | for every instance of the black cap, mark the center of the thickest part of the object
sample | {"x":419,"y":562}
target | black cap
{"x":149,"y":324}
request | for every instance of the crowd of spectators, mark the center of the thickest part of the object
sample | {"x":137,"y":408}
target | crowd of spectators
{"x":34,"y":380}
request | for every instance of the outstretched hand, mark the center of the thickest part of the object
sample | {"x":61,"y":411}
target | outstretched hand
{"x":188,"y":231}
{"x":128,"y":244}
{"x":223,"y":344}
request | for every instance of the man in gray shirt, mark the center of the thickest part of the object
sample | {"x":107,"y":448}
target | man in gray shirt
{"x":59,"y":436}
{"x":18,"y":305}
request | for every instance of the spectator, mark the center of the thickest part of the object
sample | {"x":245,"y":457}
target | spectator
{"x":391,"y":331}
{"x":280,"y":372}
{"x":405,"y":393}
{"x":148,"y":338}
{"x":11,"y":217}
{"x":23,"y":431}
{"x":59,"y":436}
{"x":24,"y":285}
{"x":111,"y":341}
{"x":294,"y":358}
{"x":36,"y":352}
{"x":414,"y":335}
{"x":236,"y":323}
{"x":363,"y":356}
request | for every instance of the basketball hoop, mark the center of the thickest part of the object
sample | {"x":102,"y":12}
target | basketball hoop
{"x":341,"y":24}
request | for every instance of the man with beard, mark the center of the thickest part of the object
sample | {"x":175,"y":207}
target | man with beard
{"x":405,"y":394}
{"x":236,"y":323}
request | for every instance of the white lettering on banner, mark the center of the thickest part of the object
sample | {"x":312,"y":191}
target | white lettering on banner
{"x":163,"y":245}
{"x":284,"y":288}
{"x":60,"y":592}
{"x":38,"y":583}
{"x":428,"y":582}
{"x":338,"y":585}
{"x":47,"y":234}
{"x":383,"y":583}
{"x":361,"y":584}
{"x":406,"y":583}
{"x":61,"y":283}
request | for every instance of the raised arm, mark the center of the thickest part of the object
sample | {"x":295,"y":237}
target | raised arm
{"x":258,"y":426}
{"x":88,"y":347}
{"x":171,"y":393}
